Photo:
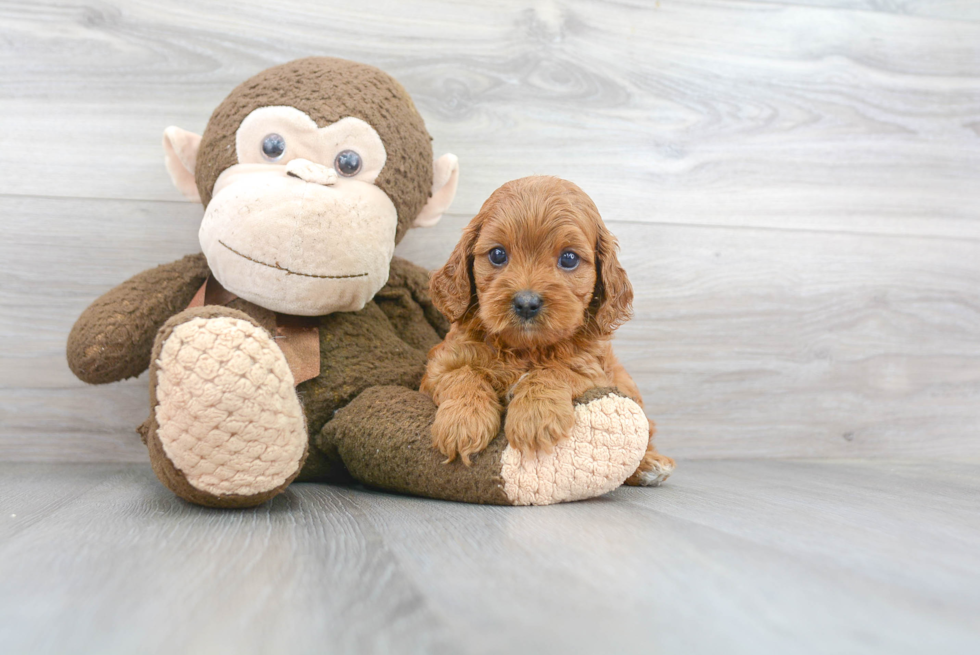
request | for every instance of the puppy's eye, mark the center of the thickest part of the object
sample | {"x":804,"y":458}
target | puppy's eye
{"x":273,"y":146}
{"x":568,"y":260}
{"x":497,"y":256}
{"x":347,"y":163}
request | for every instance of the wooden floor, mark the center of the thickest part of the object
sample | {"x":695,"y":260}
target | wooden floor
{"x":728,"y":557}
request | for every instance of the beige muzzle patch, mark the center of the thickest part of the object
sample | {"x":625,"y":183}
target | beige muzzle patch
{"x":229,"y":417}
{"x":605,"y":446}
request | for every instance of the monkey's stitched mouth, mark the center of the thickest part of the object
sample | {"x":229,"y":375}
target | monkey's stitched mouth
{"x":289,"y":272}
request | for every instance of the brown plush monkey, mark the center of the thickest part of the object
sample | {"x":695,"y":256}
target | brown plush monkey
{"x":293,"y":346}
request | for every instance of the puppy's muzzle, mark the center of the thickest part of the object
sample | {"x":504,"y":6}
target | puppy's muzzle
{"x":527,"y":304}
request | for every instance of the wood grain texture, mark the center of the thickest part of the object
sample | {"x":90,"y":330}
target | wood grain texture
{"x":746,"y":342}
{"x":793,"y":183}
{"x":958,"y":10}
{"x":721,"y":112}
{"x":154,"y":574}
{"x":729,"y":556}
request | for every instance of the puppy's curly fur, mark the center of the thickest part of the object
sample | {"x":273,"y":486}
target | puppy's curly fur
{"x":531,"y":325}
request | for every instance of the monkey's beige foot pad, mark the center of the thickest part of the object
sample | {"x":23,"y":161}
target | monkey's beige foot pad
{"x":227,"y":415}
{"x":385,"y":439}
{"x":605,"y":446}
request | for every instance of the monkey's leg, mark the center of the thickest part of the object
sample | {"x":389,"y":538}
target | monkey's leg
{"x":226,"y":428}
{"x":384,"y":438}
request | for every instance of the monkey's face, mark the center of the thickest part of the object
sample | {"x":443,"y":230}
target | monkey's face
{"x":298,"y":225}
{"x":305,"y":203}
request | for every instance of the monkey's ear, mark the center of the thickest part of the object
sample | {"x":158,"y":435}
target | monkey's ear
{"x":445,"y":177}
{"x":180,"y":155}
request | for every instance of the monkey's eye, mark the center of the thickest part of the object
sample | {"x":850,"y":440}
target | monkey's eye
{"x":497,"y":256}
{"x":273,"y":146}
{"x":347,"y":163}
{"x":568,"y":260}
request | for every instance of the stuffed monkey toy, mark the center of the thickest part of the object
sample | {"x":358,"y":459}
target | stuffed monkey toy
{"x":293,"y":346}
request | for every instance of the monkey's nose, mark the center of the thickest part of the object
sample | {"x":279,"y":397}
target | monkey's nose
{"x":527,"y":304}
{"x":311,"y":172}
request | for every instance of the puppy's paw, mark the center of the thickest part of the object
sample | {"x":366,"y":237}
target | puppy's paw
{"x":538,"y":424}
{"x":464,"y":427}
{"x":654,"y":468}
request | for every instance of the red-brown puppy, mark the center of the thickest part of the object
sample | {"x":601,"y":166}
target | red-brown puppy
{"x":534,"y":292}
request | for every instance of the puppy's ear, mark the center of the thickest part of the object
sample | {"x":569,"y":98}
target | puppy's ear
{"x":451,"y":287}
{"x":612,"y":300}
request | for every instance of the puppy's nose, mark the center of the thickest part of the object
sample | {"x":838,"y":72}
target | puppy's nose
{"x":527,"y":304}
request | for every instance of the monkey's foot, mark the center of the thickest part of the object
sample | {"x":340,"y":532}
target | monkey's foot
{"x":227,"y":429}
{"x":383,"y":439}
{"x":605,"y":446}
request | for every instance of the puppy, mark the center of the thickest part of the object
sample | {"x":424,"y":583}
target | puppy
{"x":534,"y":292}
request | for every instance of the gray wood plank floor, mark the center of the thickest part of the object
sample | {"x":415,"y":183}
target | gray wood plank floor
{"x":730,"y":556}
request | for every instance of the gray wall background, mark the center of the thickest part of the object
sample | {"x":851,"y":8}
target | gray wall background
{"x":794,"y":184}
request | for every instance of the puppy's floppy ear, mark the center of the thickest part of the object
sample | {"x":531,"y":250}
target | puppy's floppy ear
{"x":612,"y":300}
{"x":451,"y":287}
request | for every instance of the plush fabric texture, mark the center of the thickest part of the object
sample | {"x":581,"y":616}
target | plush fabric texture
{"x":180,"y":158}
{"x":166,"y":472}
{"x":305,"y":144}
{"x":605,"y":446}
{"x":327,"y":90}
{"x":174,"y":480}
{"x":298,"y":337}
{"x":365,"y":348}
{"x":292,"y":238}
{"x":298,"y":248}
{"x":384,"y":343}
{"x":227,"y":413}
{"x":384,"y":439}
{"x":406,"y":302}
{"x":112,"y":339}
{"x":445,"y":180}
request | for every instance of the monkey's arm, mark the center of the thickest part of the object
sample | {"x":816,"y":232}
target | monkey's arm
{"x":113,"y":338}
{"x":405,"y":301}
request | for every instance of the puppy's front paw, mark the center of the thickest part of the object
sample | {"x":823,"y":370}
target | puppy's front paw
{"x":538,"y":424}
{"x":464,"y":428}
